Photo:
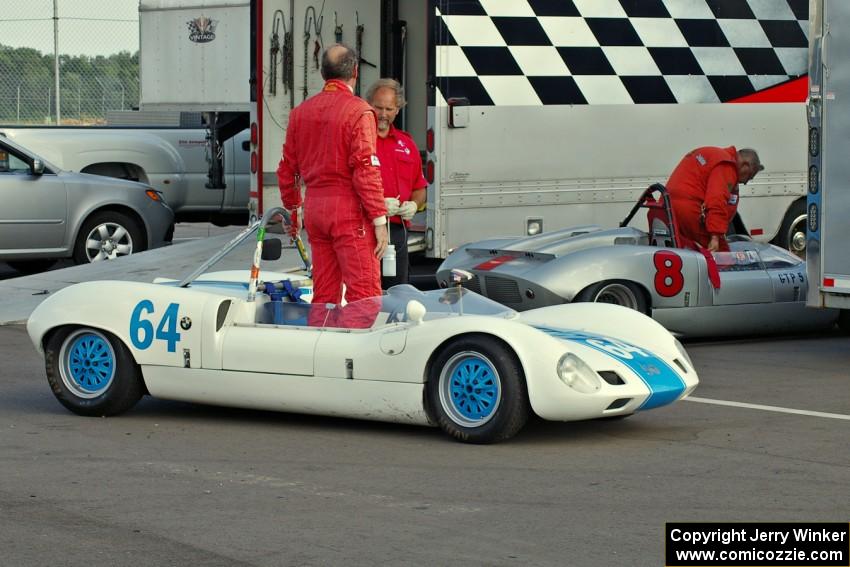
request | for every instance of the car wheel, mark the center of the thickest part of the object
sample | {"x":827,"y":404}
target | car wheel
{"x":91,"y":372}
{"x":792,"y":233}
{"x":31,"y":266}
{"x":615,"y":292}
{"x":476,"y":391}
{"x":108,"y":235}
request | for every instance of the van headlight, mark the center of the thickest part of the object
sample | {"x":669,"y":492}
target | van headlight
{"x":575,"y":373}
{"x":155,"y":195}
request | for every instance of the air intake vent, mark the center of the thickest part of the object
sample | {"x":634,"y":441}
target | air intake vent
{"x":612,"y":378}
{"x":502,"y":290}
{"x":473,"y":285}
{"x":618,"y":403}
{"x":681,"y":365}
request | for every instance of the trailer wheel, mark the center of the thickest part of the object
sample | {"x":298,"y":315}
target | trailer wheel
{"x":844,"y":321}
{"x":28,"y":267}
{"x":792,"y":233}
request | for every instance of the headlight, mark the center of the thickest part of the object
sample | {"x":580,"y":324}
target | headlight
{"x":575,"y":373}
{"x":683,"y":352}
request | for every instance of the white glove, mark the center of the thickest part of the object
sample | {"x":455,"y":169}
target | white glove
{"x":407,"y":209}
{"x":392,"y":206}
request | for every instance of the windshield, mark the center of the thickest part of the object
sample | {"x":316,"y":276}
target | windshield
{"x":13,"y":146}
{"x":392,"y":307}
{"x":746,"y":256}
{"x":282,"y":287}
{"x":235,"y":258}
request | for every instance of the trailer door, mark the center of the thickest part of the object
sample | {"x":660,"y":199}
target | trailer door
{"x":829,"y":201}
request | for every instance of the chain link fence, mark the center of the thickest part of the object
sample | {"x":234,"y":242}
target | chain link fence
{"x":98,"y":47}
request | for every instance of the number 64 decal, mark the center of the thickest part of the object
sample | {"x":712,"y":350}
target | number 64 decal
{"x":669,"y":280}
{"x":141,"y":329}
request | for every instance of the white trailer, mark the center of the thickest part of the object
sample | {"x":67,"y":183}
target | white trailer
{"x":537,"y":115}
{"x":196,"y":56}
{"x":828,"y":258}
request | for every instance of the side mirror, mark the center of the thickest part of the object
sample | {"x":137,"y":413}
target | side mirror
{"x":415,"y":311}
{"x":271,"y":249}
{"x":37,"y":167}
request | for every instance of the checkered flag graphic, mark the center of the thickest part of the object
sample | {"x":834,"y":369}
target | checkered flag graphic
{"x":549,"y":52}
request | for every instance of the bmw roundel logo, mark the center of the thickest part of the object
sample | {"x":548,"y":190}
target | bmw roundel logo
{"x":185,"y":323}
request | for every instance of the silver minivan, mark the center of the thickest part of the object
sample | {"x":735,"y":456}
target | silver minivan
{"x":47,"y":214}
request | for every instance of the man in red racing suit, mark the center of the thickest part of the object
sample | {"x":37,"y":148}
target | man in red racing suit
{"x":704,"y":192}
{"x":330,"y":146}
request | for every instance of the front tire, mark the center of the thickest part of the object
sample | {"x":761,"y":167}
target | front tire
{"x":107,"y":235}
{"x":615,"y":292}
{"x":91,"y":372}
{"x":476,"y":391}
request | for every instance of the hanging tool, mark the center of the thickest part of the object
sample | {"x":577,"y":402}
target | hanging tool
{"x":289,"y":56}
{"x":314,"y":22}
{"x":307,"y":25}
{"x":358,"y":34}
{"x":318,"y":43}
{"x":337,"y":30}
{"x":403,"y":57}
{"x":274,"y":50}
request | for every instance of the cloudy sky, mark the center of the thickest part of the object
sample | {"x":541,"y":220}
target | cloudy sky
{"x":86,"y":27}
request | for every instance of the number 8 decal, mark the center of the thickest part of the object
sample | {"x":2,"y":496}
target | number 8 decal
{"x":669,"y":280}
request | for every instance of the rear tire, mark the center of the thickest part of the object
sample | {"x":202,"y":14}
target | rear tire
{"x":616,"y":292}
{"x":107,"y":235}
{"x":91,"y":372}
{"x":792,"y":233}
{"x":476,"y":391}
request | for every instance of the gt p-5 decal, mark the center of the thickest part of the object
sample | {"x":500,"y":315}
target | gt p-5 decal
{"x":791,"y":277}
{"x":142,"y":332}
{"x":669,"y":279}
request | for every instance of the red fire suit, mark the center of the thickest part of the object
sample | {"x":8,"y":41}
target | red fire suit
{"x":704,"y":194}
{"x":330,"y":146}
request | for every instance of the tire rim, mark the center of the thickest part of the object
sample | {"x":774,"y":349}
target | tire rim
{"x":617,"y":294}
{"x":470,"y":389}
{"x":87,"y":363}
{"x":108,"y":241}
{"x":796,"y":237}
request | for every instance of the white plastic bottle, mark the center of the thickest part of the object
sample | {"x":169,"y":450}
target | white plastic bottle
{"x":388,"y":263}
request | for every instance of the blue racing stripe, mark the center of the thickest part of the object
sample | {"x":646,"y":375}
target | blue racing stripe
{"x":665,"y":385}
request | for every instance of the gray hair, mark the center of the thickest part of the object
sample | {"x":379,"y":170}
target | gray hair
{"x":391,"y":84}
{"x":339,"y":62}
{"x":752,"y":157}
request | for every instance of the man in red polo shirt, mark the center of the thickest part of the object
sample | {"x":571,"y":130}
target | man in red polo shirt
{"x":330,"y":147}
{"x":401,"y":171}
{"x":704,"y":192}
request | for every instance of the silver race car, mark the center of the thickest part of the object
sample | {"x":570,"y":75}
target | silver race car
{"x":753,"y":289}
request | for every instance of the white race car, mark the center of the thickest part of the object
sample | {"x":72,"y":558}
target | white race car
{"x":445,"y":357}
